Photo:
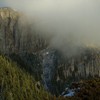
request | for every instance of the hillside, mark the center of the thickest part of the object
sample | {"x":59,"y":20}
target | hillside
{"x":83,"y":90}
{"x":17,"y":84}
{"x":29,"y":61}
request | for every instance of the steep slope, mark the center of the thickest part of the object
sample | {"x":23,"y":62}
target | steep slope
{"x":24,"y":45}
{"x":30,"y":62}
{"x":16,"y":33}
{"x":59,"y":71}
{"x":8,"y":29}
{"x":17,"y":84}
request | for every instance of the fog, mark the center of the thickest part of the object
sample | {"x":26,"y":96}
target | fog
{"x":72,"y":23}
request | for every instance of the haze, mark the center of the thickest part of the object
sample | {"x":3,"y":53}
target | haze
{"x":72,"y":23}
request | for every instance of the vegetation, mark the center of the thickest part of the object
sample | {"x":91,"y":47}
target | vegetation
{"x":29,"y":62}
{"x":17,"y":84}
{"x":89,"y":90}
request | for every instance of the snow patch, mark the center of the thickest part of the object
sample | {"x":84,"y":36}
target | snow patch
{"x":70,"y":93}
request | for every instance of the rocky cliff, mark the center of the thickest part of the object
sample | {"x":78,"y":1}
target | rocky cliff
{"x":60,"y":71}
{"x":21,"y":43}
{"x":8,"y":30}
{"x":16,"y":34}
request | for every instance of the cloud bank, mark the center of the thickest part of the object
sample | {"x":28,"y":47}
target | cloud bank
{"x":72,"y":23}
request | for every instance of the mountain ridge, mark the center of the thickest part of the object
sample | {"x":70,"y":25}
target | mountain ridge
{"x":22,"y":44}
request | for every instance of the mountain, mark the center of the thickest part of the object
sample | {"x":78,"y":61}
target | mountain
{"x":59,"y":71}
{"x":8,"y":29}
{"x":21,"y":43}
{"x":16,"y":34}
{"x":17,"y":84}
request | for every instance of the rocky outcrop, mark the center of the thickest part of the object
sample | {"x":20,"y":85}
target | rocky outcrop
{"x":60,"y":72}
{"x":8,"y":29}
{"x":16,"y":34}
{"x":20,"y":42}
{"x":49,"y":68}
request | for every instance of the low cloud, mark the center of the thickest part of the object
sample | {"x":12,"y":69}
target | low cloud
{"x":72,"y":23}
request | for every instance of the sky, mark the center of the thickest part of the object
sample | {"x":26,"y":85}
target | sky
{"x":2,"y":3}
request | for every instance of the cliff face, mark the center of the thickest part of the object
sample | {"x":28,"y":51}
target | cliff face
{"x":85,"y":65}
{"x":16,"y":35}
{"x":24,"y":45}
{"x":8,"y":30}
{"x":60,"y":71}
{"x":49,"y":68}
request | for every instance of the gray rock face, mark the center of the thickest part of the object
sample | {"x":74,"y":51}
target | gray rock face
{"x":16,"y":34}
{"x":49,"y":66}
{"x":58,"y":71}
{"x":8,"y":29}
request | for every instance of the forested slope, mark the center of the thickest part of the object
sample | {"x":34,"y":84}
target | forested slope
{"x":17,"y":84}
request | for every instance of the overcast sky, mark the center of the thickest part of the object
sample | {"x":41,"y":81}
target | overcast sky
{"x":2,"y":3}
